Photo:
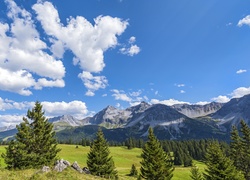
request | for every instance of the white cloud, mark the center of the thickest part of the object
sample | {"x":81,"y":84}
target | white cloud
{"x":221,"y":99}
{"x":182,"y":91}
{"x":42,"y":82}
{"x":8,"y":120}
{"x":6,"y":104}
{"x":89,"y":93}
{"x":93,"y":83}
{"x":120,"y":95}
{"x":244,"y":21}
{"x":132,"y":40}
{"x":168,"y":102}
{"x":23,"y":53}
{"x":132,"y":50}
{"x":241,"y":71}
{"x":240,"y":92}
{"x":202,"y":103}
{"x":180,"y":85}
{"x":77,"y":109}
{"x":18,"y":81}
{"x":135,"y":93}
{"x":86,"y":41}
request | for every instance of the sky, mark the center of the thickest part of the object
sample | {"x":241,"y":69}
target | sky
{"x":77,"y":57}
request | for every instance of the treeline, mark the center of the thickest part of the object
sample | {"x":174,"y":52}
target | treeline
{"x":183,"y":152}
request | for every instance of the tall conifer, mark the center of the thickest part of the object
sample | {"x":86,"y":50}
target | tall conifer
{"x":35,"y":144}
{"x":219,"y":166}
{"x":99,"y":161}
{"x":155,"y":164}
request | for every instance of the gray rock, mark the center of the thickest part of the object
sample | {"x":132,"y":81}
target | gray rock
{"x":86,"y":170}
{"x":77,"y":167}
{"x":60,"y":165}
{"x":45,"y":169}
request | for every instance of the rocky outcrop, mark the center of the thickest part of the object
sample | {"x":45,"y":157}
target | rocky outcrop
{"x":77,"y":167}
{"x":60,"y":165}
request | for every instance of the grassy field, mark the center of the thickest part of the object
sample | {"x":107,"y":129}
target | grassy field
{"x":123,"y":159}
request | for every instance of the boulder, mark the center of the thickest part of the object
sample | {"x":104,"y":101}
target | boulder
{"x":60,"y":165}
{"x":86,"y":170}
{"x":76,"y":167}
{"x":45,"y":169}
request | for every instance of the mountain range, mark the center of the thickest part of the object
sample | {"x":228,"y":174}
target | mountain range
{"x":181,"y":121}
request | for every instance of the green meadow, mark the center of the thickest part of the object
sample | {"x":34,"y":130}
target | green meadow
{"x":123,"y":159}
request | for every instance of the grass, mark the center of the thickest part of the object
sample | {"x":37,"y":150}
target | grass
{"x":122,"y":157}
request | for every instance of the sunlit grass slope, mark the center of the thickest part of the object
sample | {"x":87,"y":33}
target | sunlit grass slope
{"x":123,"y":159}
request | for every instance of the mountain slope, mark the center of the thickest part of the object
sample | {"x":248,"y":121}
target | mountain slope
{"x":232,"y":112}
{"x":194,"y":111}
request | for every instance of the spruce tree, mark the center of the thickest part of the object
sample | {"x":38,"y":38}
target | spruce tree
{"x":35,"y":144}
{"x":133,"y":171}
{"x":99,"y":161}
{"x":240,"y":148}
{"x":196,"y":174}
{"x":155,"y":164}
{"x":220,"y":167}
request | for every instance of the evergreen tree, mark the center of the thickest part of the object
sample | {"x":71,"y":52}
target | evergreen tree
{"x":187,"y":160}
{"x":178,"y":160}
{"x":133,"y":171}
{"x":35,"y":144}
{"x":155,"y":164}
{"x":196,"y":174}
{"x":99,"y":161}
{"x":220,"y":167}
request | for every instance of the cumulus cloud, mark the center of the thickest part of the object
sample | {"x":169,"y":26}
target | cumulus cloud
{"x":168,"y":102}
{"x":93,"y":83}
{"x":221,"y":99}
{"x":76,"y":108}
{"x":202,"y":103}
{"x":237,"y":93}
{"x":241,"y":71}
{"x":240,"y":92}
{"x":132,"y":40}
{"x":23,"y":54}
{"x":132,"y":49}
{"x":86,"y":41}
{"x":10,"y":120}
{"x":6,"y":104}
{"x":244,"y":21}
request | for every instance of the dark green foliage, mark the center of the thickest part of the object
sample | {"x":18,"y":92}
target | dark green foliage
{"x":196,"y":174}
{"x":99,"y":161}
{"x":240,"y":149}
{"x":35,"y":144}
{"x":220,"y":167}
{"x":155,"y":164}
{"x":133,"y":171}
{"x":187,"y":160}
{"x":178,"y":160}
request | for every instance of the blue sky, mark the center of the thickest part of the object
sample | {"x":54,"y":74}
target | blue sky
{"x":77,"y":57}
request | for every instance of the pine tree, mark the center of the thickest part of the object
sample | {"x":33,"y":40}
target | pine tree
{"x":155,"y":164}
{"x":133,"y":171}
{"x":219,"y":167}
{"x":196,"y":174}
{"x":35,"y":144}
{"x":99,"y":161}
